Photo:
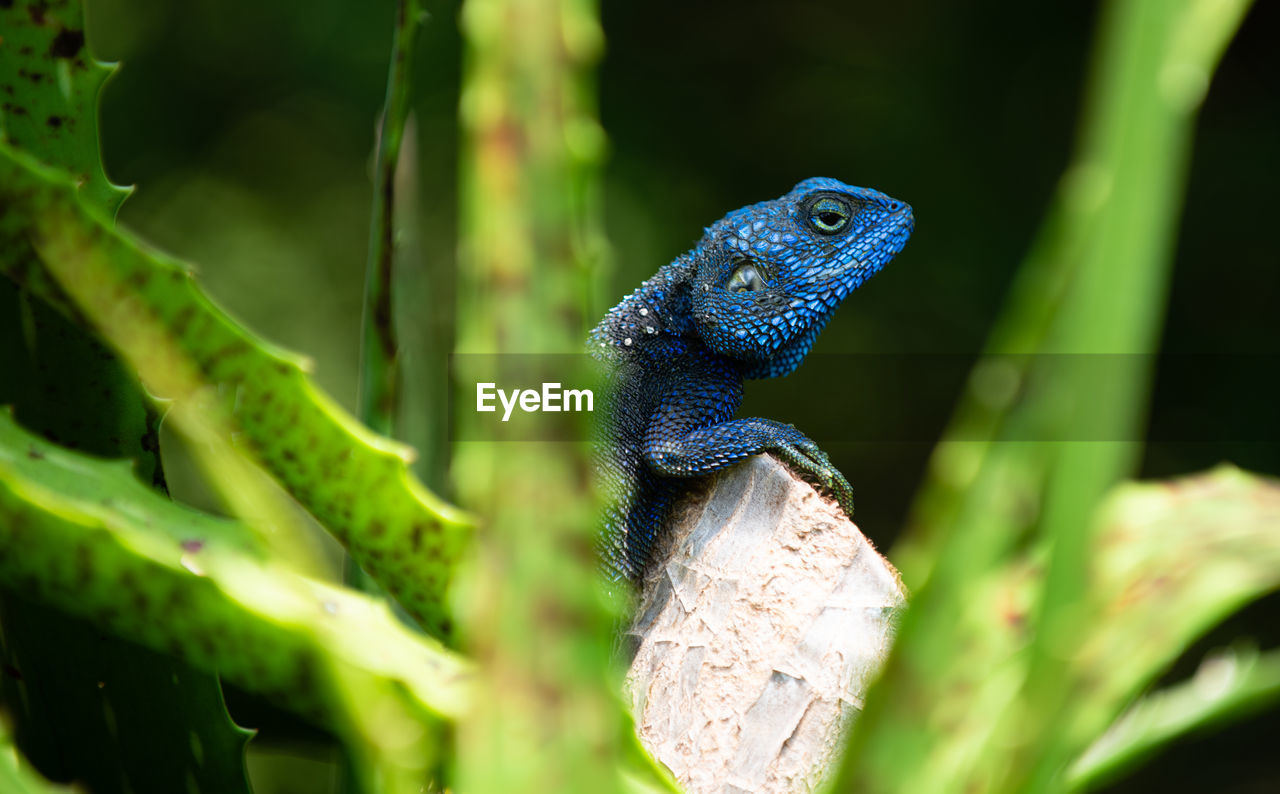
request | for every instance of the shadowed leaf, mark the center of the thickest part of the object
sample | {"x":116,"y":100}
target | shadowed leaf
{"x":49,"y":86}
{"x":15,"y":776}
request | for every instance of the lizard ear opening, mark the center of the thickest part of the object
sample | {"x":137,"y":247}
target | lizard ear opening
{"x":746,"y":277}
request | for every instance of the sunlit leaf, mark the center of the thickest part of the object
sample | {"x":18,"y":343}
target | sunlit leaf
{"x":81,"y":535}
{"x":1228,"y":685}
{"x":185,"y":348}
{"x":1169,"y":561}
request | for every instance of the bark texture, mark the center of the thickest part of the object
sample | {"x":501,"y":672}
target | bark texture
{"x":757,"y":634}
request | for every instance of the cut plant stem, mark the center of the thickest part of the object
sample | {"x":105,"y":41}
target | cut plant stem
{"x":379,"y":362}
{"x":379,"y":392}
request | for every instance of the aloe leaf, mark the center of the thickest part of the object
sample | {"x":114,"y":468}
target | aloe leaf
{"x":115,"y":551}
{"x":82,"y":536}
{"x":16,"y":777}
{"x":1170,"y":560}
{"x":1158,"y":59}
{"x":184,"y":347}
{"x":1092,"y":287}
{"x":1228,"y":685}
{"x":49,"y":85}
{"x":72,"y":98}
{"x":114,"y":716}
{"x":87,"y":706}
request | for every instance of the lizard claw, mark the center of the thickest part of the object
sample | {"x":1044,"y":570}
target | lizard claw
{"x":815,"y":466}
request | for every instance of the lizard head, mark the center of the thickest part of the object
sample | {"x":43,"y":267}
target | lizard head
{"x":768,"y":276}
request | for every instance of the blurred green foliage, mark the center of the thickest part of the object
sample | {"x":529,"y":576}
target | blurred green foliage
{"x":84,"y":690}
{"x":248,"y":130}
{"x":530,"y":605}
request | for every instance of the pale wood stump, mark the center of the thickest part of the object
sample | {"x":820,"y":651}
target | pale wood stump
{"x":758,"y":633}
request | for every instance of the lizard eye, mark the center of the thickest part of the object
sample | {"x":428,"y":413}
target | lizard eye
{"x":829,"y":215}
{"x":746,"y":278}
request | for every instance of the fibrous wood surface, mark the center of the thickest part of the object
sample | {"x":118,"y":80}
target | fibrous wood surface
{"x":757,"y":634}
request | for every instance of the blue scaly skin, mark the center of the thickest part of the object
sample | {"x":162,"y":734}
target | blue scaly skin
{"x":747,"y":302}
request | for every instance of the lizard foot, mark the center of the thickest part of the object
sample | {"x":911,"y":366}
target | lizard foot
{"x":814,"y":465}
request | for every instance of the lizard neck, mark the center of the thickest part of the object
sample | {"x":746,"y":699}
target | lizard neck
{"x":653,"y":319}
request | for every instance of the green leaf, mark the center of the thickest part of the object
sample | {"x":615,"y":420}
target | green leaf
{"x":62,"y":99}
{"x":88,"y":707}
{"x":1169,"y":561}
{"x":79,"y":691}
{"x":112,"y":715}
{"x":82,"y":536}
{"x":189,"y":351}
{"x":72,"y":690}
{"x":15,"y":775}
{"x":987,"y":627}
{"x":49,"y":86}
{"x":1228,"y":685}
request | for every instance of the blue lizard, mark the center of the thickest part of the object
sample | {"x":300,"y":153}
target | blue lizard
{"x":747,"y":302}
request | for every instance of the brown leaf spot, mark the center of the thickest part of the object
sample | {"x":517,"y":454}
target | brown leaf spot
{"x":415,"y":538}
{"x":67,"y":44}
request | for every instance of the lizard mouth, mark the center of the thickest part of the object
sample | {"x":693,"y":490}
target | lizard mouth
{"x":906,"y":218}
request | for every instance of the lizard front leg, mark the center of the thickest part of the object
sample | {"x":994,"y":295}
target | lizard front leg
{"x":677,"y":444}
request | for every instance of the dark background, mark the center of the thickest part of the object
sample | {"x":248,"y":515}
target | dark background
{"x":247,"y":128}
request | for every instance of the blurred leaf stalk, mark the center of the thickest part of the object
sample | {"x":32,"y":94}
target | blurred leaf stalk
{"x":531,"y":609}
